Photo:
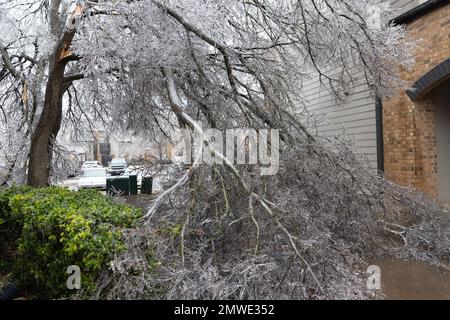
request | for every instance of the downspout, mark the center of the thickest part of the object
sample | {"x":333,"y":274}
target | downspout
{"x":380,"y":137}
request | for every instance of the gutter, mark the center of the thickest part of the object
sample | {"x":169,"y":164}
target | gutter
{"x":419,"y":11}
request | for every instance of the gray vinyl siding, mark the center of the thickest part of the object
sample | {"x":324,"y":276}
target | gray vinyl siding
{"x":355,"y":120}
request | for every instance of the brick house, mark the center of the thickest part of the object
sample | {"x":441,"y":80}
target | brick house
{"x":416,"y":123}
{"x":408,"y":136}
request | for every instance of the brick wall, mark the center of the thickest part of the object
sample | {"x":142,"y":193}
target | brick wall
{"x":410,"y":127}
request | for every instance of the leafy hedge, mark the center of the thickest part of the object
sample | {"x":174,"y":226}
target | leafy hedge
{"x":45,"y":230}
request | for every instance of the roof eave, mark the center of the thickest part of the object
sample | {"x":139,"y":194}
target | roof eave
{"x":419,"y":11}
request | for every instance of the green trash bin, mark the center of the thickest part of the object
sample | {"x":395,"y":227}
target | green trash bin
{"x":116,"y":186}
{"x":133,"y":185}
{"x":147,"y":185}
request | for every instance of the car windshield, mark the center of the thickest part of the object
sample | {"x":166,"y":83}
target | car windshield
{"x":118,"y":162}
{"x":94,"y":173}
{"x":89,"y":163}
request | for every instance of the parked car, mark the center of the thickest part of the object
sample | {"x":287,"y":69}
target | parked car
{"x":91,"y":164}
{"x":117,"y":167}
{"x":93,"y":178}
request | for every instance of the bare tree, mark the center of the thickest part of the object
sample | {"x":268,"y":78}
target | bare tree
{"x":239,"y":60}
{"x":38,"y":67}
{"x":237,"y":63}
{"x":224,"y":231}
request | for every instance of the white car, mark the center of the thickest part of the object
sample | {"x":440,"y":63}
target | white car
{"x":93,"y":178}
{"x":91,"y":164}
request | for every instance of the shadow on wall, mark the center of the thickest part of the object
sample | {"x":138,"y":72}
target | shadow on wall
{"x":442,"y":102}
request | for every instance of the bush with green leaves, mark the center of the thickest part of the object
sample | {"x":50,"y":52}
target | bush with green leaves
{"x":10,"y":228}
{"x":53,"y":228}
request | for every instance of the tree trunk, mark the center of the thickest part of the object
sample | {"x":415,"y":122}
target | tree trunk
{"x":49,"y":124}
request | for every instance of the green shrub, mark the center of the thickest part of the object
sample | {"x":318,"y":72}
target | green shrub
{"x":56,"y":228}
{"x":10,"y":228}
